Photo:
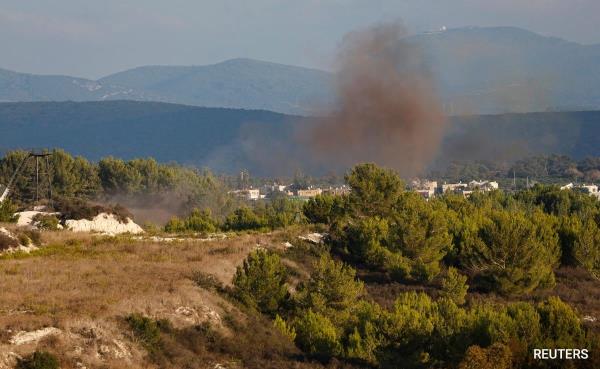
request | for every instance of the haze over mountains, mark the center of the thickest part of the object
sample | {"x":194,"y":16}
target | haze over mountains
{"x":479,"y":70}
{"x":228,"y":140}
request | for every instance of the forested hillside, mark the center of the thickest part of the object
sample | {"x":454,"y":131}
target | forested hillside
{"x":231,"y":140}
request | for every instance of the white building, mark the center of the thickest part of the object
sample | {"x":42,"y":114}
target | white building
{"x":248,"y":193}
{"x":483,"y":185}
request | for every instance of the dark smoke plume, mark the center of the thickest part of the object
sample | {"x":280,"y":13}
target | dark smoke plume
{"x":387,"y":111}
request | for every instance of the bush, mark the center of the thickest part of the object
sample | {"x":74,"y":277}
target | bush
{"x":261,"y":282}
{"x":242,"y":219}
{"x":332,"y":287}
{"x":284,"y":328}
{"x":77,"y":208}
{"x":46,"y":222}
{"x":561,"y":327}
{"x":7,"y":242}
{"x":497,"y":356}
{"x":316,"y":335}
{"x":454,"y":286}
{"x":197,"y":221}
{"x":146,"y":330}
{"x":39,"y":360}
{"x":7,"y":212}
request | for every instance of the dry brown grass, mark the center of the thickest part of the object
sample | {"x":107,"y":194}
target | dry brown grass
{"x":78,"y":281}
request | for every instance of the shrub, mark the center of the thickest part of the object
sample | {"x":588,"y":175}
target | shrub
{"x":146,"y":330}
{"x":7,"y":212}
{"x":197,"y":221}
{"x":46,"y":221}
{"x":316,"y":335}
{"x":33,"y":234}
{"x":244,"y":218}
{"x":175,"y":225}
{"x":261,"y":282}
{"x":208,"y":281}
{"x":497,"y":356}
{"x":332,"y":287}
{"x":39,"y":360}
{"x":7,"y":242}
{"x":284,"y":328}
{"x":200,"y":221}
{"x":77,"y":208}
{"x":454,"y":286}
{"x":560,"y":324}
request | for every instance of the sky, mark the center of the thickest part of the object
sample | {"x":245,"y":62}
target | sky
{"x":95,"y":38}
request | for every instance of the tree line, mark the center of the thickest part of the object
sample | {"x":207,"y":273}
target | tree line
{"x":541,"y":168}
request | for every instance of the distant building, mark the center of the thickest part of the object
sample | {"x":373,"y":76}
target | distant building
{"x":248,"y":193}
{"x":454,"y":187}
{"x":568,"y":186}
{"x":343,"y":190}
{"x":273,"y":188}
{"x":483,"y":185}
{"x":424,"y":187}
{"x":591,"y":189}
{"x":308,"y":193}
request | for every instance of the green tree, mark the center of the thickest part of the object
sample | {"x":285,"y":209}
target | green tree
{"x":260,"y":282}
{"x":375,"y":191}
{"x":497,"y":356}
{"x":512,"y":252}
{"x":454,"y":286}
{"x":324,"y":208}
{"x":420,"y":233}
{"x":586,"y":247}
{"x":331,"y":289}
{"x":317,"y":336}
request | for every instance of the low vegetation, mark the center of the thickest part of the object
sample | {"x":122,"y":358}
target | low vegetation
{"x":39,"y":360}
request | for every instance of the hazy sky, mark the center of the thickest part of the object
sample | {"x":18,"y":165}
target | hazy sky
{"x":94,"y":38}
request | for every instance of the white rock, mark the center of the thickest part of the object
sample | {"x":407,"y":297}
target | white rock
{"x":23,"y":337}
{"x":313,"y":237}
{"x":104,"y":223}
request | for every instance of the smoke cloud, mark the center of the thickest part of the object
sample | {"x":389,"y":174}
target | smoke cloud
{"x":386,"y":112}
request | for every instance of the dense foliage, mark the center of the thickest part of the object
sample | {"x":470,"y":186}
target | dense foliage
{"x":140,"y":182}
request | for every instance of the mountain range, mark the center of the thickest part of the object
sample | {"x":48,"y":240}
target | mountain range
{"x":228,"y":140}
{"x":478,"y":70}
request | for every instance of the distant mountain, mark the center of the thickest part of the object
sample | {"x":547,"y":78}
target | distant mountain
{"x":262,"y":141}
{"x":15,"y":87}
{"x":479,"y":70}
{"x":237,"y":83}
{"x":505,"y":69}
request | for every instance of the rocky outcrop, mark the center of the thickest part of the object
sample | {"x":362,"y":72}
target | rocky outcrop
{"x":104,"y":223}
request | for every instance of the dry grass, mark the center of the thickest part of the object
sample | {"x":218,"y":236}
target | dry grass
{"x":84,"y":285}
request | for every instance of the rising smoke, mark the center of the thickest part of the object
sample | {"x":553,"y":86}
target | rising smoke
{"x":386,"y":112}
